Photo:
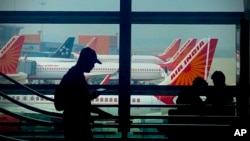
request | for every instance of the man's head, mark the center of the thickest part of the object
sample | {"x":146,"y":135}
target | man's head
{"x":87,"y":59}
{"x":218,"y":78}
{"x":200,"y":84}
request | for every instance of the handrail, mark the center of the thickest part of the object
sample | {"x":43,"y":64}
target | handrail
{"x":174,"y":105}
{"x":25,"y":87}
{"x":184,"y":116}
{"x":30,"y":107}
{"x":54,"y":114}
{"x":143,"y":125}
{"x":180,"y":125}
{"x":31,"y":120}
{"x":47,"y":123}
{"x":10,"y":138}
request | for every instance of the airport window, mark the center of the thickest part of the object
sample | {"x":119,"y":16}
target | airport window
{"x":155,"y":25}
{"x":106,"y":99}
{"x":110,"y":99}
{"x":97,"y":99}
{"x":188,"y":5}
{"x":32,"y":98}
{"x":55,"y":32}
{"x":133,"y":100}
{"x":24,"y":98}
{"x":44,"y":36}
{"x":65,"y":5}
{"x":138,"y":100}
{"x":154,"y":39}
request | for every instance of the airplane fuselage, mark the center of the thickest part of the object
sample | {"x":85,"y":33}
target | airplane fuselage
{"x":47,"y":105}
{"x":56,"y":70}
{"x":134,"y":59}
{"x":48,"y":59}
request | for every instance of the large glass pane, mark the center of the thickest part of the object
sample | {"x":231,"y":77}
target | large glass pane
{"x":49,"y":50}
{"x":170,"y":55}
{"x":175,"y":54}
{"x":188,"y":5}
{"x":59,"y":5}
{"x":39,"y":64}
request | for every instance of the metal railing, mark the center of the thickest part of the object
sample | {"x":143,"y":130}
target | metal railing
{"x":103,"y":128}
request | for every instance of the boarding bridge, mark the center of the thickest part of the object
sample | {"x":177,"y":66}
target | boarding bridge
{"x":27,"y":66}
{"x":41,"y":124}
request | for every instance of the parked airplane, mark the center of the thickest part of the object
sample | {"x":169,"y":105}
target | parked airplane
{"x":56,"y":70}
{"x":9,"y":55}
{"x":62,"y":54}
{"x":168,"y":53}
{"x":196,"y":63}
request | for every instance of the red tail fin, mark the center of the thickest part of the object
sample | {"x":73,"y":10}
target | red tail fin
{"x":196,"y":63}
{"x":9,"y":55}
{"x":176,"y":59}
{"x":92,"y":43}
{"x":170,"y":51}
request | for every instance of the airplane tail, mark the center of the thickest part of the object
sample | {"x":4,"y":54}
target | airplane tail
{"x":170,"y":51}
{"x":196,"y":63}
{"x":64,"y":51}
{"x":176,"y":59}
{"x":92,"y":43}
{"x":9,"y":55}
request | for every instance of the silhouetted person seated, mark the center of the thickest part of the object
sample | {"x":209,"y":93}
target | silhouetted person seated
{"x":220,"y":97}
{"x":190,"y":96}
{"x":191,"y":106}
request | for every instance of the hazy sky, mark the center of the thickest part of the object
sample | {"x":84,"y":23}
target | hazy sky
{"x":154,"y":37}
{"x":144,"y":37}
{"x":113,"y":5}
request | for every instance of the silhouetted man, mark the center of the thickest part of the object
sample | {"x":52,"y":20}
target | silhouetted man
{"x":220,"y":96}
{"x":192,"y":106}
{"x":191,"y":95}
{"x":72,"y":96}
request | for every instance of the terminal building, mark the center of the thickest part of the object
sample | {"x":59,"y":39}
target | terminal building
{"x":106,"y":44}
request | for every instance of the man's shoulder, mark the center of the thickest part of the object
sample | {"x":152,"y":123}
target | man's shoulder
{"x":69,"y":75}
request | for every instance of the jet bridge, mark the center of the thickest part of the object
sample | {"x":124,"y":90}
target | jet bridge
{"x":27,"y":66}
